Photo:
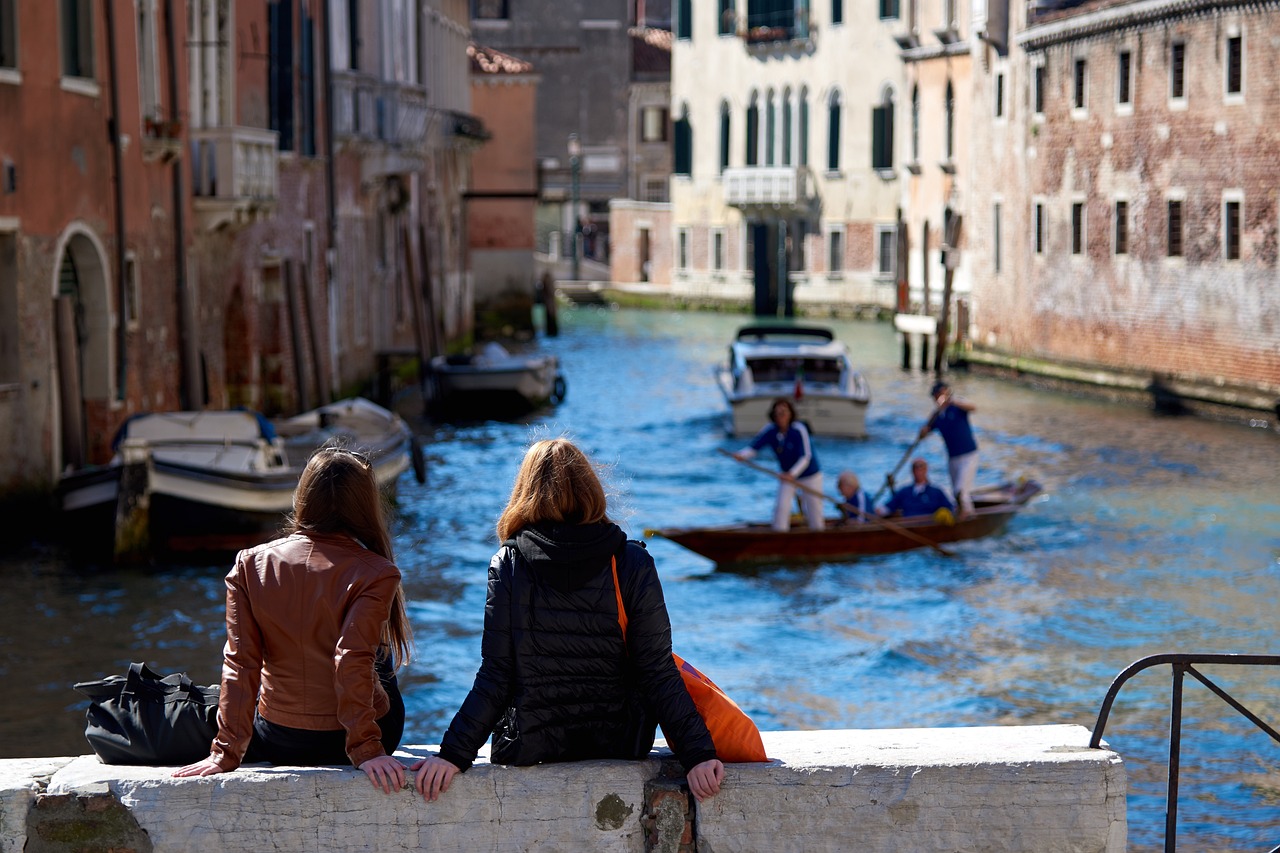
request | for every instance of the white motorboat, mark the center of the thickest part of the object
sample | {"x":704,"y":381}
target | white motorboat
{"x":217,"y":481}
{"x":497,"y":383}
{"x":804,"y":364}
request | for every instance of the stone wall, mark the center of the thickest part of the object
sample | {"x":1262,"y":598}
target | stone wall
{"x":1028,"y":788}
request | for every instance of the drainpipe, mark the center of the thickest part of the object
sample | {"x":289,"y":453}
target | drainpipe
{"x":117,"y":158}
{"x":190,"y":395}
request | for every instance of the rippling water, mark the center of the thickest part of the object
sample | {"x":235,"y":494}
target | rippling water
{"x":1154,"y":535}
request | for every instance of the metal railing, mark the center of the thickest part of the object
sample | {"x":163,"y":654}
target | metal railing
{"x":1183,"y":665}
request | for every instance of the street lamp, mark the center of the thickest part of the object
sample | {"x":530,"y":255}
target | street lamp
{"x":575,"y":164}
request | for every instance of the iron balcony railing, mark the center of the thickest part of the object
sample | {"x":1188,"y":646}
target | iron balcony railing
{"x":1183,"y":665}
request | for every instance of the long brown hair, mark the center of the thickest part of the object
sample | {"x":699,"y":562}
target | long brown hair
{"x":556,"y":482}
{"x":337,"y":493}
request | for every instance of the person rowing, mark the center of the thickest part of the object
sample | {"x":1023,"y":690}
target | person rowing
{"x":919,"y":498}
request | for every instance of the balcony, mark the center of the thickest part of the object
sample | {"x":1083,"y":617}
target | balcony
{"x":768,"y":31}
{"x":233,"y":174}
{"x":767,"y":186}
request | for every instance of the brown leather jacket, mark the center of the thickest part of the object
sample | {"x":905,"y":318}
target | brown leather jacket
{"x":304,"y":620}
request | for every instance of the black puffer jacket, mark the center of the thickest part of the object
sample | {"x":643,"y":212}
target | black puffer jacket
{"x":556,"y":681}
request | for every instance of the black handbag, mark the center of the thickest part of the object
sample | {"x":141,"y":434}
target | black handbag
{"x":142,"y":718}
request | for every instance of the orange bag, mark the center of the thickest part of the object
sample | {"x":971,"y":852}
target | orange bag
{"x":736,"y":738}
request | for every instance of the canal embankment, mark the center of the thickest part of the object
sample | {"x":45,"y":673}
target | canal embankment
{"x":1011,"y":788}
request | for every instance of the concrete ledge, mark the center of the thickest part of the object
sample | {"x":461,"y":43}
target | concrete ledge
{"x":1033,"y":788}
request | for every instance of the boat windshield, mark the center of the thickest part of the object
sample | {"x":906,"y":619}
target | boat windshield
{"x":784,"y":369}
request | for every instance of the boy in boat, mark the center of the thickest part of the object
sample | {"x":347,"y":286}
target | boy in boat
{"x":855,"y":503}
{"x":919,"y":498}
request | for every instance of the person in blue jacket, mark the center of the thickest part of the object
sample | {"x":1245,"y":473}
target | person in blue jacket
{"x":951,"y":420}
{"x":919,"y":498}
{"x":790,"y":441}
{"x":855,"y":503}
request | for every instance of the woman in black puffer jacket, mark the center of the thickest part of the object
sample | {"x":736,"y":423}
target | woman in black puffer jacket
{"x":557,"y":680}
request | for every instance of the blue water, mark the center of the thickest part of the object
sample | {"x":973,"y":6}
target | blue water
{"x":1154,"y":535}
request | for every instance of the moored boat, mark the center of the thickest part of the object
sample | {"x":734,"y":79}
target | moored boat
{"x":215,"y":481}
{"x":497,"y":383}
{"x":803,"y":363}
{"x":732,"y":544}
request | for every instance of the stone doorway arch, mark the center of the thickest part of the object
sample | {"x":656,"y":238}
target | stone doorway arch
{"x":83,"y":355}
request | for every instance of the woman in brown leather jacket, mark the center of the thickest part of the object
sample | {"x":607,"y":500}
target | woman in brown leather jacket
{"x":316,"y":624}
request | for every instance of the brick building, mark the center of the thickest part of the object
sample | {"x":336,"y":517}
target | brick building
{"x":1125,"y":218}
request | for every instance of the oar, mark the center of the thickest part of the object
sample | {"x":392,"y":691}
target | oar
{"x":888,"y":525}
{"x":888,"y":478}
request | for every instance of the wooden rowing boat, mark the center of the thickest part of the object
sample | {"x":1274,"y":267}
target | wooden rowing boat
{"x":756,"y":543}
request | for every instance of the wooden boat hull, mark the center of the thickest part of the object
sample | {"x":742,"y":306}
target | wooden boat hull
{"x":759,"y":543}
{"x":505,"y":387}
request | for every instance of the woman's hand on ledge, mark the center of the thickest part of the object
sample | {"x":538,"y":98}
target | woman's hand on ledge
{"x":385,"y":773}
{"x":204,"y":767}
{"x":705,"y":779}
{"x":434,"y":776}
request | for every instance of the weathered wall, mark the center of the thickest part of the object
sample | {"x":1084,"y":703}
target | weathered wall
{"x":1031,"y":788}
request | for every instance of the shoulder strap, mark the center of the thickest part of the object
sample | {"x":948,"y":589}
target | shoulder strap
{"x":617,"y":590}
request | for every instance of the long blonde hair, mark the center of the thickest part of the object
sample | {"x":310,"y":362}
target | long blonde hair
{"x":337,"y":493}
{"x":556,"y":482}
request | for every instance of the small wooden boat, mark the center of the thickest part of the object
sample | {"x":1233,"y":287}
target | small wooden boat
{"x":757,"y":543}
{"x":803,"y":363}
{"x":497,"y":383}
{"x":212,"y":482}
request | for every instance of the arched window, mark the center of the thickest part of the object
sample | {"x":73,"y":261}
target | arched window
{"x":915,"y":124}
{"x":724,"y":136}
{"x":753,"y":131}
{"x":770,"y":128}
{"x":882,"y":132}
{"x":951,"y":122}
{"x":803,"y":143}
{"x":786,"y":127}
{"x":833,"y":131}
{"x":683,"y":137}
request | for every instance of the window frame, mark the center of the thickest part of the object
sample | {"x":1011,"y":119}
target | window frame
{"x":1232,"y":236}
{"x":1079,"y":86}
{"x":1078,"y":228}
{"x":1177,"y":59}
{"x":997,"y":235}
{"x":835,"y":234}
{"x":664,"y":124}
{"x":715,"y":250}
{"x":80,"y":42}
{"x":683,"y":244}
{"x":1039,"y":227}
{"x":503,"y":12}
{"x":1039,"y":84}
{"x":886,"y":262}
{"x":997,"y":95}
{"x":1175,"y":239}
{"x":1124,"y":81}
{"x":1233,"y":63}
{"x":1120,"y":227}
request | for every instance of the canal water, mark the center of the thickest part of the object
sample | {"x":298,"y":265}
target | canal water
{"x":1154,"y":535}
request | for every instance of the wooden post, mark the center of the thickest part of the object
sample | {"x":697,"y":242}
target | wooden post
{"x":953,"y":260}
{"x":295,"y":334}
{"x":414,"y":284}
{"x":549,"y":303}
{"x":322,"y":375}
{"x":435,"y":337}
{"x":132,"y":541}
{"x":69,"y":398}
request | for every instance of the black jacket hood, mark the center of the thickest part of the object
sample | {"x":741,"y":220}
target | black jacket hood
{"x":568,"y":556}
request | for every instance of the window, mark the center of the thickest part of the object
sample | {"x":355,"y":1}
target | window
{"x":653,"y":124}
{"x":770,"y":129}
{"x":996,"y":226}
{"x":786,"y":127}
{"x":717,"y":249}
{"x":803,"y":142}
{"x":835,"y":249}
{"x":132,"y":290}
{"x":8,"y":34}
{"x":1234,"y":70}
{"x":889,"y":9}
{"x":886,"y":250}
{"x":1173,"y":223}
{"x":728,"y":18}
{"x":683,"y":154}
{"x":682,"y":249}
{"x":490,"y":10}
{"x":915,"y":124}
{"x":882,"y":133}
{"x":1038,"y":223}
{"x":951,"y":123}
{"x":1231,"y":230}
{"x":1077,"y":228}
{"x":684,"y":19}
{"x":77,"y":38}
{"x":10,"y":328}
{"x":148,"y":73}
{"x":1122,"y":228}
{"x":998,"y":95}
{"x":1079,"y":84}
{"x":1177,"y":71}
{"x":753,"y":131}
{"x":280,"y":75}
{"x":210,"y":63}
{"x":833,"y":132}
{"x":837,"y":11}
{"x":724,"y":136}
{"x":1037,"y":90}
{"x":655,"y":189}
{"x":307,"y":81}
{"x":1124,"y":77}
{"x":347,"y":50}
